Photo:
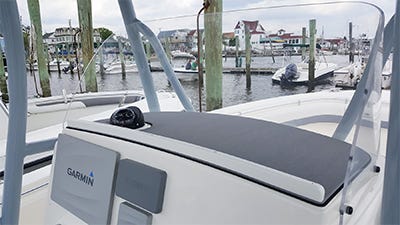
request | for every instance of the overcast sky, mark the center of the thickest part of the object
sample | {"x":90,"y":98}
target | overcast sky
{"x":331,"y":19}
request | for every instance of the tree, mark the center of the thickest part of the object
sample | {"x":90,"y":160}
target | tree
{"x":232,"y":42}
{"x":104,"y":33}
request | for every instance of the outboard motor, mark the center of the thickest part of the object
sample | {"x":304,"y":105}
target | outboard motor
{"x":290,"y":74}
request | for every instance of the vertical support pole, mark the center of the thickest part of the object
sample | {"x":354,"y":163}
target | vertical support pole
{"x":16,"y":141}
{"x":351,"y":45}
{"x":248,"y":56}
{"x":122,"y":58}
{"x":213,"y":39}
{"x":303,"y":42}
{"x":391,"y":195}
{"x":237,"y":51}
{"x":86,"y":25}
{"x":3,"y":80}
{"x":34,"y":13}
{"x":311,"y":62}
{"x":200,"y":55}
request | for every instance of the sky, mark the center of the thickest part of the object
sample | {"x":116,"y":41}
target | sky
{"x":332,"y":20}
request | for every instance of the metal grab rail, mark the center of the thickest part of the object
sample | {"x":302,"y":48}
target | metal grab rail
{"x":133,"y":27}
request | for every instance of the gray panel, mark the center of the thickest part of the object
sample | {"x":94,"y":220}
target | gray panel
{"x":131,"y":215}
{"x":83,"y":179}
{"x":141,"y":184}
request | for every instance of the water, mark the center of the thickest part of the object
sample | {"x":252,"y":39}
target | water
{"x":234,"y":85}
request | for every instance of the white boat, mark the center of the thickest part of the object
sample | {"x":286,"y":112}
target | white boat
{"x":115,"y":68}
{"x":179,"y":54}
{"x":349,"y":76}
{"x":179,"y":62}
{"x":186,"y":75}
{"x":323,"y":70}
{"x":317,"y":158}
{"x":53,"y":65}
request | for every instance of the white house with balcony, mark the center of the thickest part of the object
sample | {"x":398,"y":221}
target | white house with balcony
{"x":257,"y":33}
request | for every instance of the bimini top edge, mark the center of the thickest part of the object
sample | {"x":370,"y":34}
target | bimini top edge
{"x":305,"y":165}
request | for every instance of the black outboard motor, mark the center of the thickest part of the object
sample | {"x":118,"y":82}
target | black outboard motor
{"x":290,"y":74}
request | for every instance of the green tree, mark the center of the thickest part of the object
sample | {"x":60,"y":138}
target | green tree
{"x":232,"y":42}
{"x":105,"y":33}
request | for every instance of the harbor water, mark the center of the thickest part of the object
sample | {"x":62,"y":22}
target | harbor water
{"x":234,"y":85}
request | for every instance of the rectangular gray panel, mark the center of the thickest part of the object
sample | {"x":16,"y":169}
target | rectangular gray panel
{"x":141,"y":184}
{"x":83,"y":180}
{"x":131,"y":215}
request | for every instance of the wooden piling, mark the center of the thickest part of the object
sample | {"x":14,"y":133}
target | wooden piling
{"x":58,"y":61}
{"x":225,"y":53}
{"x":351,"y":45}
{"x":3,"y":79}
{"x":122,"y":58}
{"x":248,"y":56}
{"x":303,"y":42}
{"x":168,"y":49}
{"x":148,"y":52}
{"x":272,"y":50}
{"x":48,"y":57}
{"x":237,"y":51}
{"x":86,"y":26}
{"x":34,"y":14}
{"x":311,"y":62}
{"x":101,"y":57}
{"x":213,"y":40}
{"x":70,"y":60}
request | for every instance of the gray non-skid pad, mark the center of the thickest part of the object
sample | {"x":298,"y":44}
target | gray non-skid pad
{"x":141,"y":185}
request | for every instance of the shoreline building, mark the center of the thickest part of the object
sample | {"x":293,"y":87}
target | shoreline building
{"x":62,"y":40}
{"x":257,"y":32}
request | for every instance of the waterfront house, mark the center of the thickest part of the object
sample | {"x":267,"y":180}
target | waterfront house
{"x":257,"y":33}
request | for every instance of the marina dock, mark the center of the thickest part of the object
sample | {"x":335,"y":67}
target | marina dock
{"x":232,"y":70}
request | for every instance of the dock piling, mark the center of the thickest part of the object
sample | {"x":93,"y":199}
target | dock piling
{"x":311,"y":62}
{"x":351,"y":45}
{"x":213,"y":40}
{"x":34,"y":14}
{"x":248,"y":56}
{"x":237,"y":51}
{"x":86,"y":26}
{"x":122,"y":58}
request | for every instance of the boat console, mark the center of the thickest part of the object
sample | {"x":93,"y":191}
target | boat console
{"x":184,"y":166}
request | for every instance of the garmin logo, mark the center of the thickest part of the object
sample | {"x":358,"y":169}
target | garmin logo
{"x":87,"y":179}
